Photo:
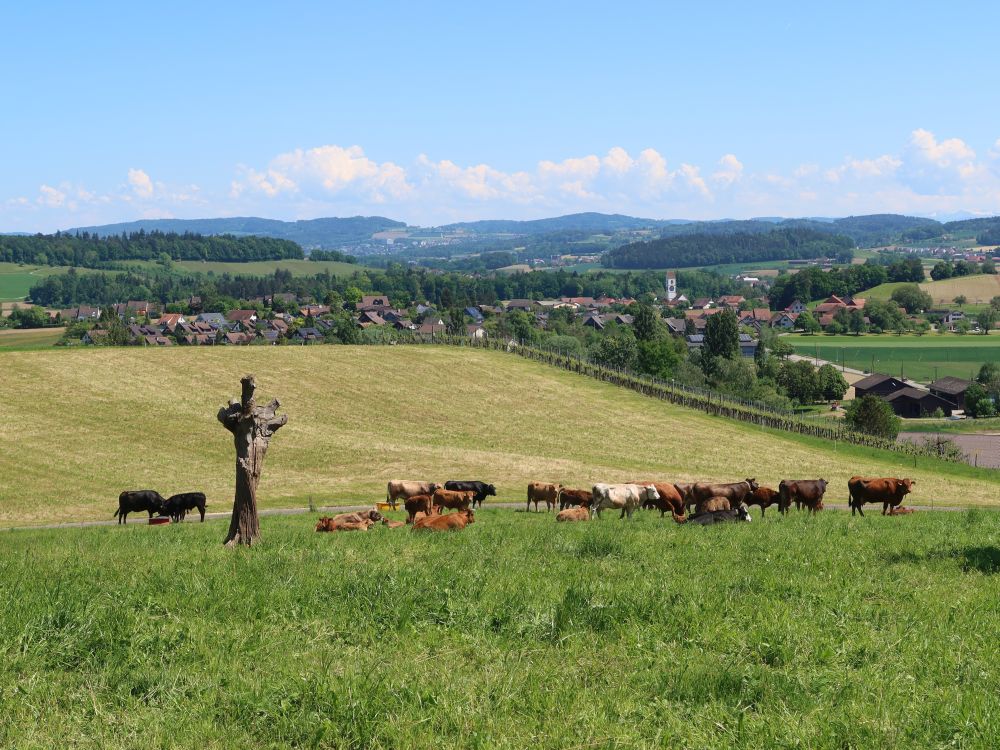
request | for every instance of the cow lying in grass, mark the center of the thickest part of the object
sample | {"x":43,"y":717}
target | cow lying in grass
{"x":446,"y":522}
{"x":360,"y":521}
{"x":574,"y":514}
{"x":742,"y":513}
{"x":132,"y":501}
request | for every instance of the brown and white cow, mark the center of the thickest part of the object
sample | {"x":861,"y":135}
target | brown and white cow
{"x":581,"y":513}
{"x":806,"y":493}
{"x":402,"y":488}
{"x":886,"y":490}
{"x":543,"y":492}
{"x":626,"y":497}
{"x":447,"y":522}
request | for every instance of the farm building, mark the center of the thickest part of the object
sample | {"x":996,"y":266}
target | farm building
{"x":951,"y":389}
{"x":878,"y":385}
{"x":912,"y":402}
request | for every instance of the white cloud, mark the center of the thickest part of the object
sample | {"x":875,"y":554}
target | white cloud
{"x":730,"y":170}
{"x":50,"y":196}
{"x":141,"y":183}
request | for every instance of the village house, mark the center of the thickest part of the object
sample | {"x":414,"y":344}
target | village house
{"x":785,"y":320}
{"x":373,"y":304}
{"x":314,"y":311}
{"x":214,"y":319}
{"x":307,"y":336}
{"x":525,"y":305}
{"x":951,"y":389}
{"x":796,"y":308}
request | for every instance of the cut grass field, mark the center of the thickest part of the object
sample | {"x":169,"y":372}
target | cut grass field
{"x":16,"y":339}
{"x":922,"y":358}
{"x":826,"y":632}
{"x":82,"y":425}
{"x":978,"y":290}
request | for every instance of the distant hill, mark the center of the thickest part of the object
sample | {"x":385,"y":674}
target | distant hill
{"x":592,"y":222}
{"x":311,"y":233}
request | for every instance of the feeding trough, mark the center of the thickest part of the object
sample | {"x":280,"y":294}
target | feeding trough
{"x":158,"y":521}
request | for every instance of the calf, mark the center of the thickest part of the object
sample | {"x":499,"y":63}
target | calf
{"x":177,"y":506}
{"x":543,"y":492}
{"x":481,"y":490}
{"x":417,"y":504}
{"x":574,"y":514}
{"x":572,"y":498}
{"x":454,"y":500}
{"x":392,"y":524}
{"x":715,"y":504}
{"x":765,"y":497}
{"x":339,"y":523}
{"x":886,"y":490}
{"x":401,"y":488}
{"x":806,"y":493}
{"x":130,"y":501}
{"x":447,"y":522}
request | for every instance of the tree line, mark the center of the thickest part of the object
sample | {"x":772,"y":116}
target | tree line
{"x":91,"y":251}
{"x":814,"y":283}
{"x":740,"y":247}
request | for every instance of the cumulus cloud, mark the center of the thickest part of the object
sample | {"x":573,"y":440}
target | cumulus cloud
{"x":729,"y":171}
{"x":140,"y":183}
{"x":50,"y":196}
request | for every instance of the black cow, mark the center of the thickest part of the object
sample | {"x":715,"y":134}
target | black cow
{"x":177,"y":506}
{"x":721,"y":516}
{"x":150,"y":501}
{"x":481,"y":490}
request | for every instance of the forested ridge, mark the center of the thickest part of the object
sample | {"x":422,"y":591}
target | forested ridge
{"x":740,"y":247}
{"x":91,"y":251}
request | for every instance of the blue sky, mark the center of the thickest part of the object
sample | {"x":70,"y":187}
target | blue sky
{"x":436,"y":112}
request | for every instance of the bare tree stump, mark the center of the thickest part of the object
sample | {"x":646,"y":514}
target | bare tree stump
{"x":252,"y":427}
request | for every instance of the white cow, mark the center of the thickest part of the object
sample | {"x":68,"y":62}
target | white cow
{"x":627,"y":497}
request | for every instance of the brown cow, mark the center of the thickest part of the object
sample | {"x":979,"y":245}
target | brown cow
{"x":804,"y":492}
{"x":670,"y":499}
{"x":419,"y":515}
{"x":392,"y":524}
{"x":417,"y":504}
{"x":361,"y":516}
{"x":900,"y":511}
{"x":543,"y":492}
{"x":886,"y":490}
{"x":338,"y":524}
{"x":736,"y":492}
{"x":402,"y":488}
{"x":450,"y":499}
{"x":570,"y":498}
{"x":765,"y":497}
{"x":574,"y":514}
{"x":714,"y":505}
{"x":446,"y":522}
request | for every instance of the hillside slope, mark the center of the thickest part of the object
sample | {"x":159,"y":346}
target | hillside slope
{"x":81,"y":425}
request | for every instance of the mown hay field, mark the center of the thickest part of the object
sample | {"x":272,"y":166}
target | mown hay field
{"x":79,"y":426}
{"x":826,"y":632}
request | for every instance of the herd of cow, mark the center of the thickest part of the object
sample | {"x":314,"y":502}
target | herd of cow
{"x":425,"y":502}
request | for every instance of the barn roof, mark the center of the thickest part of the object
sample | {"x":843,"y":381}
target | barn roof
{"x":951,"y":385}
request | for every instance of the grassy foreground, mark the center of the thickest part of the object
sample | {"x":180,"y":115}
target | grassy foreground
{"x":81,"y":425}
{"x":519,"y":632}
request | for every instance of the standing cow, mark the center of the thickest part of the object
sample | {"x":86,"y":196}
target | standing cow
{"x":670,"y":499}
{"x":454,"y":500}
{"x":569,"y":498}
{"x":543,"y":492}
{"x":480,"y":490}
{"x":765,"y":497}
{"x":626,"y":497}
{"x":131,"y":501}
{"x":886,"y":490}
{"x":417,"y":504}
{"x":401,"y":488}
{"x":177,"y":506}
{"x":803,"y":492}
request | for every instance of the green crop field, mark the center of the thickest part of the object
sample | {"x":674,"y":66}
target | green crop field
{"x":17,"y":279}
{"x":81,"y":425}
{"x":261,"y":267}
{"x":922,"y":358}
{"x":826,"y":632}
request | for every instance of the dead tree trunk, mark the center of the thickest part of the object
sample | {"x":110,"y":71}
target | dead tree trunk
{"x":252,"y":427}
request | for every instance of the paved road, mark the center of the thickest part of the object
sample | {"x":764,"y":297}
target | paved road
{"x":143,"y":520}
